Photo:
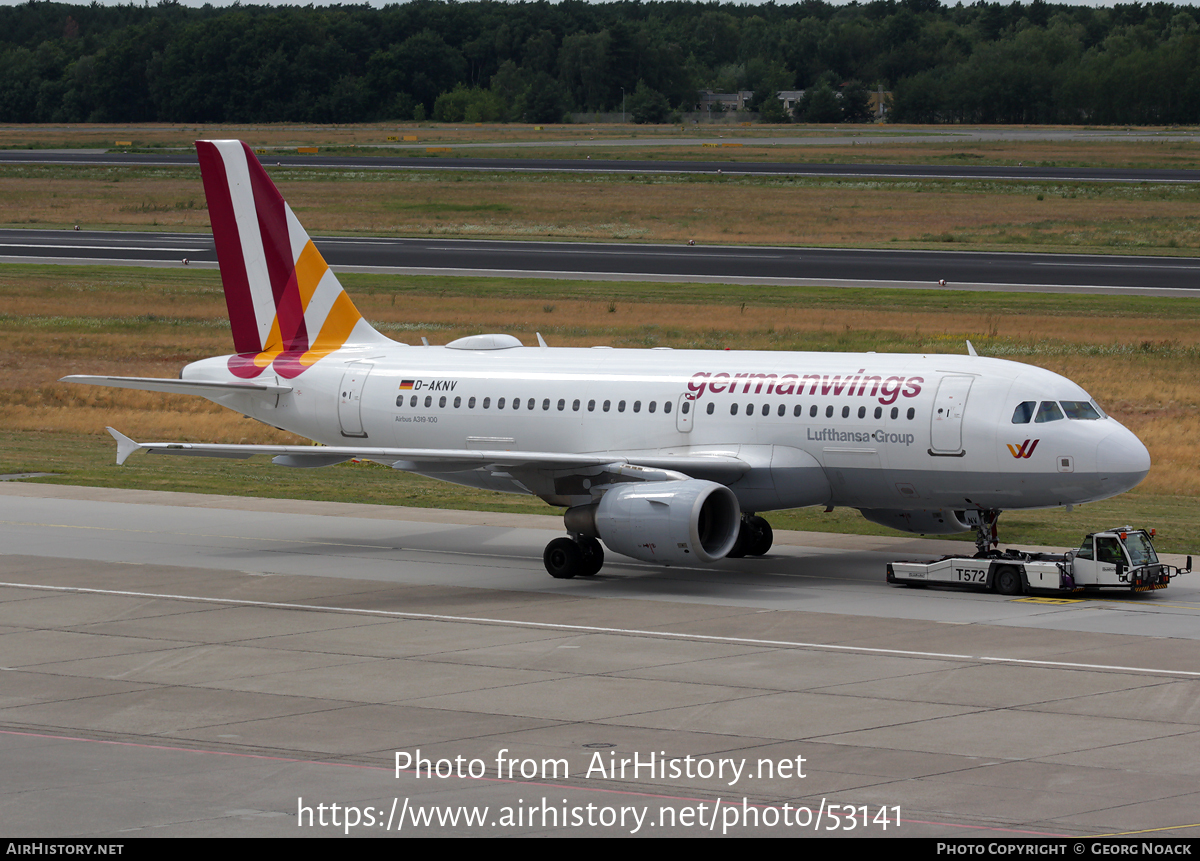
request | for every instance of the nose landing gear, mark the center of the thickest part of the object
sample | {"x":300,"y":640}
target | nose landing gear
{"x":985,"y":532}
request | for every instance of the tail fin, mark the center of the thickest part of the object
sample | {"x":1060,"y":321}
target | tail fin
{"x":286,"y":306}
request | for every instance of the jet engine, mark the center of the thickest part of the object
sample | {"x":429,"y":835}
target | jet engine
{"x":668,"y":522}
{"x":923,"y":521}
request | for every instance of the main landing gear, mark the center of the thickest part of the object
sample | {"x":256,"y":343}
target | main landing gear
{"x":582,"y":556}
{"x":577,"y":556}
{"x":755,"y":538}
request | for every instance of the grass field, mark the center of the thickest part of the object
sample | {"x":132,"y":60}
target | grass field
{"x":1139,"y":356}
{"x":728,"y":139}
{"x":880,"y":213}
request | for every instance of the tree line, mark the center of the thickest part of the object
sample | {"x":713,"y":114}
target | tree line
{"x":487,"y":61}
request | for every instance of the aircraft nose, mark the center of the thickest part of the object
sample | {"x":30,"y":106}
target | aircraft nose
{"x":1122,"y":460}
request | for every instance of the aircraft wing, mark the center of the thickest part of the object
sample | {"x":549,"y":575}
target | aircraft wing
{"x":180,"y":387}
{"x":722,"y":468}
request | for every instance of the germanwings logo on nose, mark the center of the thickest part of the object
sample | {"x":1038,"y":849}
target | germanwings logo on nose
{"x":1024,"y":450}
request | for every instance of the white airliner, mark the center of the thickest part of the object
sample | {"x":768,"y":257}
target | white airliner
{"x":664,"y":455}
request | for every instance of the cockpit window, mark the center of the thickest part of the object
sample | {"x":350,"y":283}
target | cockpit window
{"x":1048,"y":412}
{"x":1080,"y":410}
{"x":1024,"y":413}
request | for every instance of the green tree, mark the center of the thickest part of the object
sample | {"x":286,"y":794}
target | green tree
{"x":820,"y":104}
{"x":648,"y":105}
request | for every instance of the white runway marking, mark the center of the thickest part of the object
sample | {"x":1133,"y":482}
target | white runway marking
{"x":632,"y":632}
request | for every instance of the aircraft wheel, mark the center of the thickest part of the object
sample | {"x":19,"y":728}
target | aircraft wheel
{"x":761,"y":536}
{"x":1007,"y":581}
{"x":563,"y":559}
{"x":742,"y":542}
{"x":593,"y":557}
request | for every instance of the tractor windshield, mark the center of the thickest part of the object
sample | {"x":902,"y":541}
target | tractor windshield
{"x":1141,"y":551}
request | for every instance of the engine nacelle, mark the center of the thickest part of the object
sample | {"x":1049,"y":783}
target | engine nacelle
{"x":669,"y":522}
{"x":924,"y":521}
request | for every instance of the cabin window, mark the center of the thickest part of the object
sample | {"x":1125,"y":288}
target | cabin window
{"x":516,"y":403}
{"x":471,"y":404}
{"x":733,"y":409}
{"x":895,"y":412}
{"x":413,"y":402}
{"x":862,"y":412}
{"x":429,"y":400}
{"x":591,"y":406}
{"x":442,"y":402}
{"x":845,"y":412}
{"x":1024,"y":412}
{"x":606,"y":405}
{"x":487,"y":402}
{"x":797,"y":411}
{"x":878,"y":412}
{"x":532,"y":403}
{"x":620,"y":406}
{"x":457,"y":403}
{"x":499,"y":404}
{"x":711,"y":407}
{"x":637,"y":406}
{"x":562,"y":404}
{"x":1048,"y":412}
{"x":667,"y":406}
{"x":749,"y":409}
{"x":912,"y":413}
{"x":782,"y":410}
{"x":650,"y":407}
{"x":400,"y":401}
{"x":829,"y":411}
{"x":546,"y":404}
{"x":812,"y":411}
{"x":575,"y":405}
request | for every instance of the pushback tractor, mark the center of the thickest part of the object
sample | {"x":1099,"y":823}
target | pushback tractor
{"x":1121,"y":559}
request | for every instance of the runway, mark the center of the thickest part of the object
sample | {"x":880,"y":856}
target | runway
{"x":177,"y":664}
{"x":1163,"y":276}
{"x":732,"y":167}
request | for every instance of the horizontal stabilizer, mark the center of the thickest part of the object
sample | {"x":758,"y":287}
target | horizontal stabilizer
{"x":179,"y":387}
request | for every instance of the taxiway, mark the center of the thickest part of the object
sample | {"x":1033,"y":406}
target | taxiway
{"x":968,"y":270}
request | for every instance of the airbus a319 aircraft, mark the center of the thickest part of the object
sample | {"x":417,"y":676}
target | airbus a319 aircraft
{"x":663,"y":455}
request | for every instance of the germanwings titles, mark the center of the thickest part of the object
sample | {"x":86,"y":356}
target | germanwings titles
{"x":663,"y":455}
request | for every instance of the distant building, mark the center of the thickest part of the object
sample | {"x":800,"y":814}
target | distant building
{"x":709,"y":101}
{"x":880,"y":103}
{"x":790,"y":99}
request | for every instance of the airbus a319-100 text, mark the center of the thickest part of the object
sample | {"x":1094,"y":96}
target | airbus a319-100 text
{"x":663,"y":455}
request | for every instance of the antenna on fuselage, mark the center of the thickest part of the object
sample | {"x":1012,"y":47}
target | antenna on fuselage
{"x":971,"y":349}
